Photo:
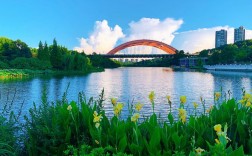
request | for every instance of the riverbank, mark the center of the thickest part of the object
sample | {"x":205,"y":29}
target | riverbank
{"x":21,"y":73}
{"x":229,"y":67}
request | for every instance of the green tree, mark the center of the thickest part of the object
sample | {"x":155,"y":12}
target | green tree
{"x":204,"y":53}
{"x":46,"y":56}
{"x":56,"y":56}
{"x":22,"y":49}
{"x":179,"y":54}
{"x":40,"y":51}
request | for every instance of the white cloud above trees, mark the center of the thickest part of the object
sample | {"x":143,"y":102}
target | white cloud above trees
{"x":102,"y":39}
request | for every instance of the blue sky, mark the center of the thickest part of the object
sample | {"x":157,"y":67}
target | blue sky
{"x":69,"y":21}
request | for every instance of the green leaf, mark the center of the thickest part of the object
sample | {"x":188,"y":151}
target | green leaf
{"x":237,"y":152}
{"x":170,"y":118}
{"x":155,"y":138}
{"x":153,"y":120}
{"x":176,"y":139}
{"x":122,"y":144}
{"x":68,"y":135}
{"x":135,"y":149}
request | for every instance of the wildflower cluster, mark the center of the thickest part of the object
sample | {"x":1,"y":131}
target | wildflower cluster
{"x":138,"y":106}
{"x":182,"y":115}
{"x":195,"y":105}
{"x":69,"y":108}
{"x":221,"y":134}
{"x":199,"y":151}
{"x":217,"y":96}
{"x":182,"y":111}
{"x":117,"y":106}
{"x":151,"y":98}
{"x":209,"y":109}
{"x":113,"y":101}
{"x":246,"y":100}
{"x":183,"y":99}
{"x":135,"y":117}
{"x":97,"y":119}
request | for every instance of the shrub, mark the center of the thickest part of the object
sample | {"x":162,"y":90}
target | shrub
{"x":30,"y":63}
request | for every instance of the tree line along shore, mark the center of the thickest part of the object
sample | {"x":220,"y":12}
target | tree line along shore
{"x":17,"y":59}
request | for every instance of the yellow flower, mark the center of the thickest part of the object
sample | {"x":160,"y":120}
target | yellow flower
{"x":195,"y":105}
{"x":217,"y":96}
{"x":116,"y":112}
{"x":168,"y":98}
{"x":69,"y":108}
{"x":183,"y":99}
{"x":97,"y":118}
{"x":135,"y":117}
{"x":113,"y":101}
{"x":152,"y":96}
{"x":242,"y":101}
{"x":183,"y":118}
{"x":97,"y":125}
{"x":217,"y":141}
{"x":199,"y":150}
{"x":247,"y":96}
{"x":248,"y":104}
{"x":182,"y":112}
{"x":97,"y":142}
{"x":182,"y":115}
{"x":209,"y":109}
{"x":118,"y":108}
{"x":139,"y":106}
{"x":217,"y":128}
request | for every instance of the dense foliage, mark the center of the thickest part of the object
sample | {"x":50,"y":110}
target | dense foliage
{"x":82,"y":128}
{"x":17,"y":55}
{"x":100,"y":61}
{"x":239,"y":52}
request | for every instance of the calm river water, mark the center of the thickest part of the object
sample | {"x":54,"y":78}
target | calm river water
{"x":129,"y":85}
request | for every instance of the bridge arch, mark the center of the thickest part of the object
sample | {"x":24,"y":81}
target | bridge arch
{"x":153,"y":43}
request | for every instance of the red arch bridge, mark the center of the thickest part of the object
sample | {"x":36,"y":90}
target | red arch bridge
{"x":169,"y":50}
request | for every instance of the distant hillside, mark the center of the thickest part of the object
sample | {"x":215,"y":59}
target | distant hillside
{"x":239,"y":52}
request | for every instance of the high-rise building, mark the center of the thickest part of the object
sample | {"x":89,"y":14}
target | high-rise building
{"x":239,"y":34}
{"x":220,"y":38}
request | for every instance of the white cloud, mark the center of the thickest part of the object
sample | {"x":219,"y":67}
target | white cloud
{"x":197,"y":40}
{"x":248,"y":34}
{"x":152,"y":28}
{"x":102,"y":39}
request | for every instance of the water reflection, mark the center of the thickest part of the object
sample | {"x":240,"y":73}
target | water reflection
{"x":129,"y":85}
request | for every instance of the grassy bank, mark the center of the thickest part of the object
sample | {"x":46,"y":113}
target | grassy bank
{"x":82,"y":128}
{"x":20,"y":73}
